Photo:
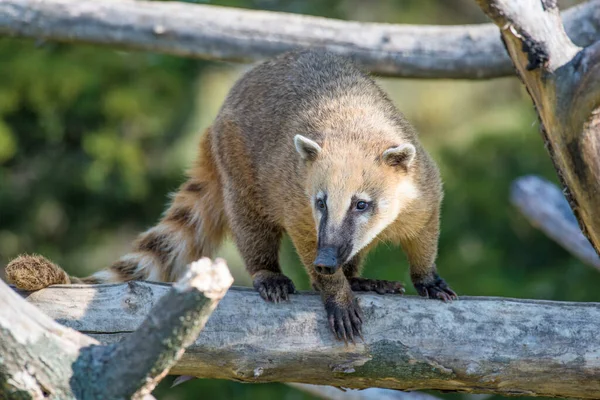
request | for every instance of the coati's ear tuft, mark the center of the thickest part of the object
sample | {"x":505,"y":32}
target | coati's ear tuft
{"x":400,"y":156}
{"x":308,"y":149}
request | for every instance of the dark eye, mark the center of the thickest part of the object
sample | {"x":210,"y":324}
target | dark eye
{"x":321,"y":204}
{"x":362,"y":205}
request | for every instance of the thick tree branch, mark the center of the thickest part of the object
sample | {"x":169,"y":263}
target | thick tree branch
{"x":564,"y":83}
{"x":41,"y":359}
{"x":545,"y":206}
{"x":204,"y":31}
{"x":485,"y":345}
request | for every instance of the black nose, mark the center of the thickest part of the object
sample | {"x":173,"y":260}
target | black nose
{"x":326,"y":262}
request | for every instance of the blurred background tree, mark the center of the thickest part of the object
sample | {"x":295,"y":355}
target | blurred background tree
{"x":93,"y":140}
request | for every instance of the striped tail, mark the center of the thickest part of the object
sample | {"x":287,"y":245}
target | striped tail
{"x":192,"y":227}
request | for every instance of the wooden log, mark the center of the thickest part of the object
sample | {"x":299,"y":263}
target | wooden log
{"x":220,"y":33}
{"x":479,"y":345}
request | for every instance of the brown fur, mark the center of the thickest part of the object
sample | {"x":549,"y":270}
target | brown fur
{"x":35,"y":272}
{"x":250,"y":179}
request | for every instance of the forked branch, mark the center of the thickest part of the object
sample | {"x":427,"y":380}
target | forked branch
{"x":546,"y":208}
{"x":564,"y":83}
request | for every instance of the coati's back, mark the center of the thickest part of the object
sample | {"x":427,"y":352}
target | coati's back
{"x":275,"y":100}
{"x":311,"y":93}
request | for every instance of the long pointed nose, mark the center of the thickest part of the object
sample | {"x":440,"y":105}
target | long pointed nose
{"x":327,"y":261}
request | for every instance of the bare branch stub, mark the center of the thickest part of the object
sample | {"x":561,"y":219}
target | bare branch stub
{"x":36,"y":353}
{"x":563,"y":82}
{"x":133,"y":367}
{"x":42,"y":359}
{"x":546,"y":207}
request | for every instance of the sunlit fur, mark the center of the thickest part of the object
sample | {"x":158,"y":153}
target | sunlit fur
{"x":345,"y":170}
{"x":251,"y":179}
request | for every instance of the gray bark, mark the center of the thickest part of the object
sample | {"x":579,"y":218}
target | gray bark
{"x":545,"y":206}
{"x":36,"y":353}
{"x":482,"y":345}
{"x":40,"y":359}
{"x":211,"y":32}
{"x":563,"y":81}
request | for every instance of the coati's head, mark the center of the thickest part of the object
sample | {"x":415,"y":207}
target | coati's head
{"x":355,"y":194}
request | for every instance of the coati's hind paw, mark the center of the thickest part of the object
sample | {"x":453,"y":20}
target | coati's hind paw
{"x":358,"y":284}
{"x":273,"y":286}
{"x":436,"y":289}
{"x":345,"y":320}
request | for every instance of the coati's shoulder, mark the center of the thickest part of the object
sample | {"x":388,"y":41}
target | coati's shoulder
{"x":306,"y":91}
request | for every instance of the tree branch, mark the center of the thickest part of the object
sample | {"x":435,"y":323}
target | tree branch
{"x":211,"y":32}
{"x":564,"y":83}
{"x":545,"y":206}
{"x":41,"y":359}
{"x":485,"y":345}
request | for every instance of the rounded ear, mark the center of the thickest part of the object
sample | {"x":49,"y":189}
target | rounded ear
{"x":308,"y":149}
{"x":400,"y":156}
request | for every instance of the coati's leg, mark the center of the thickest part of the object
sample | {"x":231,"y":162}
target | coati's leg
{"x":421,"y":252}
{"x":351,"y":270}
{"x":258,"y":242}
{"x":343,"y":312}
{"x":359,"y":284}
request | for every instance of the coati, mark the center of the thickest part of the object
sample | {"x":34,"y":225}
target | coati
{"x":304,"y":144}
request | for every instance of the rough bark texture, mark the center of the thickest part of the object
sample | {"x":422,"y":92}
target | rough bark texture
{"x":485,"y":345}
{"x":545,"y":206}
{"x":36,"y":353}
{"x":40,"y":359}
{"x":204,"y":31}
{"x":563,"y":81}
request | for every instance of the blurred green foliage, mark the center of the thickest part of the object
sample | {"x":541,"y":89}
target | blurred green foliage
{"x":92,"y":140}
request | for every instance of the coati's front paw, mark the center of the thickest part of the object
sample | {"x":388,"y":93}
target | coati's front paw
{"x":345,"y":320}
{"x":436,"y":289}
{"x":273,"y":286}
{"x":358,"y":284}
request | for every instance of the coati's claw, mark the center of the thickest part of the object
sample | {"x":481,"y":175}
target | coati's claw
{"x":273,"y":286}
{"x":358,"y":284}
{"x":438,"y":289}
{"x":345,"y":321}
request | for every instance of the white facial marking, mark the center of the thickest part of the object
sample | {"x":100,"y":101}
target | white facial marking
{"x":389,"y":209}
{"x":336,"y":212}
{"x":364,"y":196}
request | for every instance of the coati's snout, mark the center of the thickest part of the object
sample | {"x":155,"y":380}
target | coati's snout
{"x":330,"y":258}
{"x":327,"y":262}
